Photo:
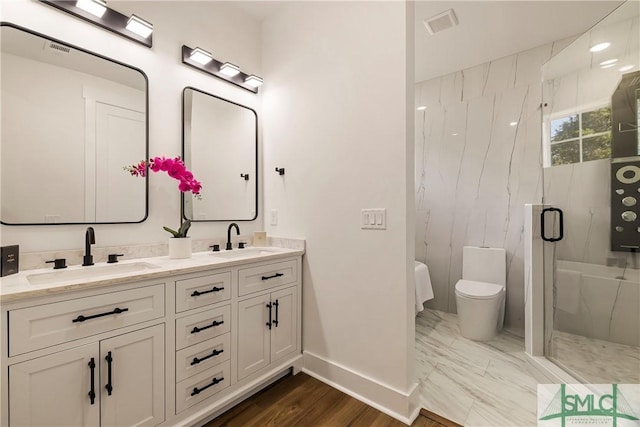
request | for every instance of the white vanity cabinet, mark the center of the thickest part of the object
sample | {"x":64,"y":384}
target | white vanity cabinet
{"x":268,"y":320}
{"x":267,"y":329}
{"x":56,"y":389}
{"x":170,"y":348}
{"x":113,"y":381}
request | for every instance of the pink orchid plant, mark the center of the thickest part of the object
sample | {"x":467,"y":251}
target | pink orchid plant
{"x":176,"y":169}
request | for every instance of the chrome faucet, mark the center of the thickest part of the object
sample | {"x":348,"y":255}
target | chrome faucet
{"x":89,"y":239}
{"x":233,"y":224}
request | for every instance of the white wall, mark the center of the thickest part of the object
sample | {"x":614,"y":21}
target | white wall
{"x":338,"y":79}
{"x":216,"y":26}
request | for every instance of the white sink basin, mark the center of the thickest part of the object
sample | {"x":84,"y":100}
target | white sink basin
{"x":245,"y":253}
{"x":89,"y":272}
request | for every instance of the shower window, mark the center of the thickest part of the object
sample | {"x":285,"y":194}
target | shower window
{"x":580,"y":137}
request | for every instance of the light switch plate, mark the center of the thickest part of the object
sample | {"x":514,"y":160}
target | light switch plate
{"x":374,"y":219}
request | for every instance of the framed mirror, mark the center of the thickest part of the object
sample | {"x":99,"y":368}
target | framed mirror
{"x":71,"y":119}
{"x":220,"y":147}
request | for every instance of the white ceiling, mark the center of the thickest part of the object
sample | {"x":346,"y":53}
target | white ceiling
{"x":260,"y":9}
{"x":487,"y":30}
{"x":490,"y":30}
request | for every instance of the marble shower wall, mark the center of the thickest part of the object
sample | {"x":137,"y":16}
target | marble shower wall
{"x":588,"y":300}
{"x":478,"y":161}
{"x":583,"y":192}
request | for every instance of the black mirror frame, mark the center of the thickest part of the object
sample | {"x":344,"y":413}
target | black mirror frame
{"x":182,"y":199}
{"x":146,"y":80}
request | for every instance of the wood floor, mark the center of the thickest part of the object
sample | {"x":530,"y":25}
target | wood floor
{"x":302,"y":400}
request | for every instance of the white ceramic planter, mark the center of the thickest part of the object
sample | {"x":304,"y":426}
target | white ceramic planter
{"x":179,"y":247}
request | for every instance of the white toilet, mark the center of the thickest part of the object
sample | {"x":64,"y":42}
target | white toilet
{"x":480,"y":294}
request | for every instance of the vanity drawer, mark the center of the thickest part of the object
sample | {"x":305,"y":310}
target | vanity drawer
{"x":202,"y":386}
{"x":200,"y":357}
{"x":201,"y":291}
{"x":266,"y":276}
{"x":200,"y":327}
{"x":50,"y":324}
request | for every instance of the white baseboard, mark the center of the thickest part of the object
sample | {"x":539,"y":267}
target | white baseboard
{"x":400,"y":405}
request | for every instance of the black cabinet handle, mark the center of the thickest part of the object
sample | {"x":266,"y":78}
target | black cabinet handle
{"x":272,"y":277}
{"x":109,"y":387}
{"x":275,"y":322}
{"x":215,"y":381}
{"x":92,"y":392}
{"x":214,"y":353}
{"x":214,"y":289}
{"x":213,"y":324}
{"x":116,"y":310}
{"x":269,"y":322}
{"x":561,"y":225}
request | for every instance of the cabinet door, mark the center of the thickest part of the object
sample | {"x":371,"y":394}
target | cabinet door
{"x":253,"y":335}
{"x":285,"y":330}
{"x":54,"y":390}
{"x":137,"y":378}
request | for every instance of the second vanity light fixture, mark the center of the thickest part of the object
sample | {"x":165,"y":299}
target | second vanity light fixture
{"x":204,"y":61}
{"x":97,"y":12}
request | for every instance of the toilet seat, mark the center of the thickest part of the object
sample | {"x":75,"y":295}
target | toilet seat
{"x":478,"y":290}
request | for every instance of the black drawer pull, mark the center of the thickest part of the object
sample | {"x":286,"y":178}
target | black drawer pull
{"x":270,"y":322}
{"x":272,"y":277}
{"x":109,"y":386}
{"x":276,"y":305}
{"x":92,"y":391}
{"x":215,"y":323}
{"x":215,"y":381}
{"x":116,"y":310}
{"x":214,"y":289}
{"x":214,"y":353}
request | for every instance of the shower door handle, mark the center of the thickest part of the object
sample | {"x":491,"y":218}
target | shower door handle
{"x":560,"y":225}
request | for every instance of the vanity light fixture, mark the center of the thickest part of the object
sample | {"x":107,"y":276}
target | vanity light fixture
{"x":513,"y":124}
{"x":253,"y":81}
{"x":202,"y":60}
{"x":228,"y":69}
{"x":97,"y":12}
{"x":94,"y":7}
{"x":421,"y":108}
{"x":201,"y":56}
{"x":139,"y":26}
{"x":599,"y":47}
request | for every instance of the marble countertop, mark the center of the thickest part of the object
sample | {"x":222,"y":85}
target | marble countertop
{"x":41,"y":282}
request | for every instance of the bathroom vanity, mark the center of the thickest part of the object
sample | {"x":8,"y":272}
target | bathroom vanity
{"x":150,"y":341}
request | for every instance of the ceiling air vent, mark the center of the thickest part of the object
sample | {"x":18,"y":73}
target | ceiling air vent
{"x":56,"y":47}
{"x":441,"y":22}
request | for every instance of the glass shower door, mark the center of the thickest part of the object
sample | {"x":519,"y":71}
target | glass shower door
{"x":591,"y":154}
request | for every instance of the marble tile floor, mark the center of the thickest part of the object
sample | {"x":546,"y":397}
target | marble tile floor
{"x":596,"y":361}
{"x":469,"y":382}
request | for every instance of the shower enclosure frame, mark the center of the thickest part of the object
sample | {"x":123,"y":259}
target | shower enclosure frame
{"x":536,"y":299}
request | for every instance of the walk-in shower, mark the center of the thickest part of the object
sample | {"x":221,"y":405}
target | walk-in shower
{"x":583,"y":287}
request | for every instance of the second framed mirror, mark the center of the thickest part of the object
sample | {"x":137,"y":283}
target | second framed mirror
{"x":220,"y":147}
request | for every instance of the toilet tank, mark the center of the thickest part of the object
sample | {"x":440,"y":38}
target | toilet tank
{"x":484,"y":264}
